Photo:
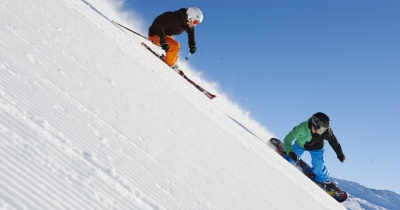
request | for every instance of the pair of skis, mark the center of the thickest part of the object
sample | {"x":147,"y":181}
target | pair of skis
{"x":180,"y":72}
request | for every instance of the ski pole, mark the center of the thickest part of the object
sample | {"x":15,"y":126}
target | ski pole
{"x":130,"y":30}
{"x":187,"y":57}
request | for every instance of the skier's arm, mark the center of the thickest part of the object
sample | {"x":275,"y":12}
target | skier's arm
{"x":161,"y":32}
{"x":191,"y":36}
{"x":335,"y":145}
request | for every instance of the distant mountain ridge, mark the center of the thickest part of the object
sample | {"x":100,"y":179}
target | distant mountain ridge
{"x":361,"y":197}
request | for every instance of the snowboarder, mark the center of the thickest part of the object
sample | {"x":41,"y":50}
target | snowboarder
{"x":309,"y":136}
{"x":170,"y":23}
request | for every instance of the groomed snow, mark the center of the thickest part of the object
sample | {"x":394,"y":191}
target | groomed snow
{"x":91,"y":120}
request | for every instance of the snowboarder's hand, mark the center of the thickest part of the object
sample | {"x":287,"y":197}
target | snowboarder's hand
{"x":293,"y":156}
{"x":165,"y":46}
{"x":342,"y":158}
{"x":192,"y":49}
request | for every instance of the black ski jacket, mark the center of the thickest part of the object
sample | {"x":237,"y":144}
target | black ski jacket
{"x":172,"y":23}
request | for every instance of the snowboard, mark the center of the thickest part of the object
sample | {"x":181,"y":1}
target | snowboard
{"x":333,"y":190}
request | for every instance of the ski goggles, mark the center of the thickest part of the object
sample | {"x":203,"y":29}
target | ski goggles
{"x":195,"y":22}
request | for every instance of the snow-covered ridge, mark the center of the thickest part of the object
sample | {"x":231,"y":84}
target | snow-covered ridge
{"x":362,"y":197}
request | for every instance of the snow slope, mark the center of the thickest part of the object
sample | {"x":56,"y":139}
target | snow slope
{"x":90,"y":120}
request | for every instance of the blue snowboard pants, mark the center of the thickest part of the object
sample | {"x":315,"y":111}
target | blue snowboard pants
{"x":317,"y":162}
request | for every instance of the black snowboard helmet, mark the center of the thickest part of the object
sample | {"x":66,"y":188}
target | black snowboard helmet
{"x":319,"y":120}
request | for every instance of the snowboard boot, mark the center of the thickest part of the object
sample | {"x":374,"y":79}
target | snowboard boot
{"x":328,"y":185}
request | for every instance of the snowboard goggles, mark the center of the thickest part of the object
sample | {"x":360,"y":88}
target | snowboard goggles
{"x":322,"y":129}
{"x":317,"y":125}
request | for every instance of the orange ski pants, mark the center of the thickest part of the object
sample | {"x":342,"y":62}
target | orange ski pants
{"x":171,"y":56}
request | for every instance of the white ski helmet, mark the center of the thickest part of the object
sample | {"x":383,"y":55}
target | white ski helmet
{"x":194,"y":13}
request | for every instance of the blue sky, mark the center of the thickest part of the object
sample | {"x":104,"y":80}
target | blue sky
{"x":285,"y":60}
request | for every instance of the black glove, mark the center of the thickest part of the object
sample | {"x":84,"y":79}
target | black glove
{"x":342,"y":158}
{"x":293,"y":156}
{"x":165,"y":46}
{"x":192,"y":49}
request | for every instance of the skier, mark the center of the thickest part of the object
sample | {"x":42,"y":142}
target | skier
{"x":309,"y":136}
{"x":170,"y":23}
